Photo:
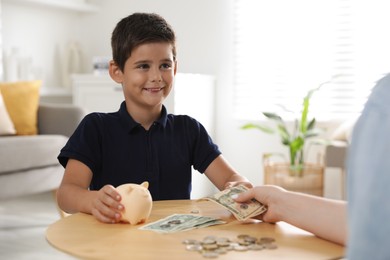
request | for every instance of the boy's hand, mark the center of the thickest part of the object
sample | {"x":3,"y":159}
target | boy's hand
{"x":106,"y":206}
{"x":236,"y":183}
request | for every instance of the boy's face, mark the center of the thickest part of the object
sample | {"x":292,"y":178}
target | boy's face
{"x":148,"y":74}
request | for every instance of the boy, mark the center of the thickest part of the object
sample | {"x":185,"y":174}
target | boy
{"x":140,"y":142}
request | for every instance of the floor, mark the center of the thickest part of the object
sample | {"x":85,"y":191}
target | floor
{"x":23,"y":223}
{"x":24,"y":220}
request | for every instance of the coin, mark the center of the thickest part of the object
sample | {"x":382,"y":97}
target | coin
{"x":210,"y":238}
{"x":250,"y":239}
{"x":242,"y":236}
{"x":271,"y":246}
{"x":197,"y":248}
{"x":212,"y":246}
{"x":255,"y":247}
{"x":266,"y":240}
{"x":190,"y":242}
{"x":165,"y":225}
{"x":210,"y":254}
{"x":240,"y":248}
{"x":175,"y":222}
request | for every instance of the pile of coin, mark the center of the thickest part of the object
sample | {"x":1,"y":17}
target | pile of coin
{"x":212,"y":247}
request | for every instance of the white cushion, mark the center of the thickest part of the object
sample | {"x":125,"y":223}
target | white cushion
{"x":344,"y":131}
{"x":6,"y":125}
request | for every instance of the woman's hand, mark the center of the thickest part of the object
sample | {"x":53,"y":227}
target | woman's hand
{"x":270,"y":196}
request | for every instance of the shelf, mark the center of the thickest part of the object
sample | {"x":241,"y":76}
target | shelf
{"x":73,"y":5}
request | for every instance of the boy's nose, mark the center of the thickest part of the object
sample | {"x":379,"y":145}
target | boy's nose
{"x":156,"y":75}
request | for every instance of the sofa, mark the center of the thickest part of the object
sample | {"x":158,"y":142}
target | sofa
{"x":336,"y":153}
{"x":28,"y":163}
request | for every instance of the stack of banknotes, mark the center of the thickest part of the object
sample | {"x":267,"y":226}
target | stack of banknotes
{"x":183,"y":222}
{"x":242,"y":211}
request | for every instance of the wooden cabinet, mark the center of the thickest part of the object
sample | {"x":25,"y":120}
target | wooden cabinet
{"x":96,"y":93}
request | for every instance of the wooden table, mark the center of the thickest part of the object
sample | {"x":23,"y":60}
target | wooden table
{"x":83,"y":236}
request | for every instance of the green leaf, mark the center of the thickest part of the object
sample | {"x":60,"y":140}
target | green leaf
{"x":258,"y":127}
{"x":273,"y":116}
{"x":305,"y":111}
{"x":297,"y":144}
{"x":284,"y":134}
{"x":313,"y":132}
{"x":311,"y":124}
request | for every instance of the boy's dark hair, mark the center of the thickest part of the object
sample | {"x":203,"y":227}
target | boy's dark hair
{"x":137,"y":29}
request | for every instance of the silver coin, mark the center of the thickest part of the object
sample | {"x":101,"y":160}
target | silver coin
{"x":165,"y":225}
{"x":221,"y":250}
{"x":210,"y":254}
{"x":223,"y":243}
{"x":271,"y":246}
{"x":210,"y":246}
{"x":196,"y":248}
{"x":243,"y":242}
{"x":267,"y":239}
{"x":210,"y":237}
{"x":175,"y":222}
{"x":255,"y":247}
{"x":222,"y":239}
{"x":250,"y":239}
{"x":209,"y":240}
{"x":241,"y":248}
{"x":191,"y":242}
{"x":242,"y":236}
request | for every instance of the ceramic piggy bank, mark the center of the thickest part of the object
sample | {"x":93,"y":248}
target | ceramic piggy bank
{"x":137,"y":201}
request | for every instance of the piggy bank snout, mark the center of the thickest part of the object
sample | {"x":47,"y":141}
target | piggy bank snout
{"x":137,"y":201}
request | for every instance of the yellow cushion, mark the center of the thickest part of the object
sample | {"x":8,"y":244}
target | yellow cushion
{"x":6,"y":125}
{"x":21,"y":100}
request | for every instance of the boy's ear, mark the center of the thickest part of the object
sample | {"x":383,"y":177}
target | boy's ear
{"x":115,"y":72}
{"x":175,"y":69}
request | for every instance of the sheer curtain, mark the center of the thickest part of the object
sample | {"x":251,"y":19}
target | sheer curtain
{"x":284,"y":48}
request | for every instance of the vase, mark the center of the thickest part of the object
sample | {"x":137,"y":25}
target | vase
{"x":309,"y":179}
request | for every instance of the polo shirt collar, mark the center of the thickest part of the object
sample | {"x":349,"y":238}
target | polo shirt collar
{"x":130,"y":123}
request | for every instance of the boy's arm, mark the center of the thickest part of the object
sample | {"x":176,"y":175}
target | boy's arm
{"x":74,"y":196}
{"x":223,"y":176}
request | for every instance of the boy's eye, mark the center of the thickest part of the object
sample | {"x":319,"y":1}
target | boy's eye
{"x":166,"y":66}
{"x":143,"y":66}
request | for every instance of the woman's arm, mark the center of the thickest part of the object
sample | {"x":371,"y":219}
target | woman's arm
{"x":323,"y":217}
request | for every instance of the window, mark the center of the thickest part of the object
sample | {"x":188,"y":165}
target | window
{"x":284,"y":48}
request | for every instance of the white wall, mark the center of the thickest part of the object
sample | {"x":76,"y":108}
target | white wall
{"x":204,"y":32}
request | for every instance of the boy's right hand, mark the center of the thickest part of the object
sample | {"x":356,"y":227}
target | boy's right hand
{"x":106,"y":206}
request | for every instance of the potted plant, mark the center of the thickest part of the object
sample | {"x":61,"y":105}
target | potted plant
{"x":296,"y":174}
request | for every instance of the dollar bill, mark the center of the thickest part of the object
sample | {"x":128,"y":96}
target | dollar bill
{"x":242,"y":211}
{"x":181,"y":222}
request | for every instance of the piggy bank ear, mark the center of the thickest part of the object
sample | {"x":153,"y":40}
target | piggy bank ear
{"x":145,"y":184}
{"x":130,"y":189}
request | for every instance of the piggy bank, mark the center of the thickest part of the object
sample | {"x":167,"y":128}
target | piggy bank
{"x":137,"y":201}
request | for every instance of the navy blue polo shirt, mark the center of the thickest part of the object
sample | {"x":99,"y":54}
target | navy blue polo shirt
{"x":119,"y":150}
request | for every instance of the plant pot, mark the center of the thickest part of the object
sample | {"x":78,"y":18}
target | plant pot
{"x":309,"y":179}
